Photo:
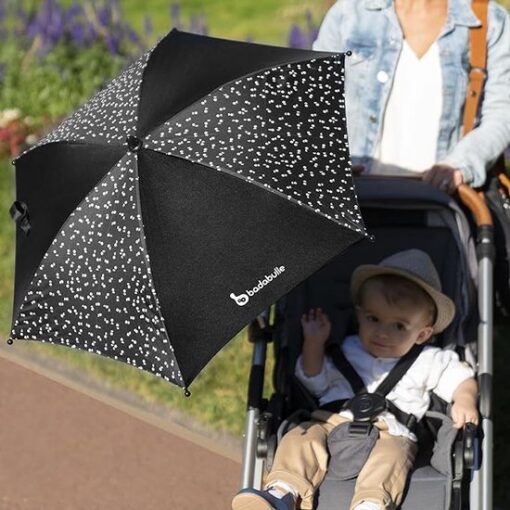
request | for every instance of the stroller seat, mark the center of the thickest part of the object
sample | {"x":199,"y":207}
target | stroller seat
{"x":402,"y":215}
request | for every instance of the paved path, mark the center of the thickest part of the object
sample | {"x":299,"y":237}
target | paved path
{"x":62,"y":449}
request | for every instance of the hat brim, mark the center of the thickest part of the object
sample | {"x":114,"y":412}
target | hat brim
{"x":444,"y":305}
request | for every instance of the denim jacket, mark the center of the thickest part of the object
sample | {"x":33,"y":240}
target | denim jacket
{"x":371,"y":30}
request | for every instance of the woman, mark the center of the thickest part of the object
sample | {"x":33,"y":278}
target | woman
{"x":406,"y":84}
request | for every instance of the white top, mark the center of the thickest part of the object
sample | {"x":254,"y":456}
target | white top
{"x":435,"y":370}
{"x":410,"y":128}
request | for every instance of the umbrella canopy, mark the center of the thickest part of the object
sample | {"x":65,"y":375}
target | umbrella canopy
{"x":202,"y":184}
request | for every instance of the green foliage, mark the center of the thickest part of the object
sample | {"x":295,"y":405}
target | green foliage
{"x":50,"y":89}
{"x":6,"y":244}
{"x":265,"y":21}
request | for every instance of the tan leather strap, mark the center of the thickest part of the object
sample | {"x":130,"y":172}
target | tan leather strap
{"x":505,"y":182}
{"x":475,"y":202}
{"x":477,"y":64}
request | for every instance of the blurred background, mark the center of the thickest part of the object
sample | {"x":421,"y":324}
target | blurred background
{"x":54,"y":54}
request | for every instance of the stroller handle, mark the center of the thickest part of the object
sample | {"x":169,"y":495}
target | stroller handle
{"x":476,"y":204}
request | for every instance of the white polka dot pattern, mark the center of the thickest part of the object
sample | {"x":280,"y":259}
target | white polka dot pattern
{"x":94,"y":290}
{"x":108,"y":116}
{"x":282,"y":128}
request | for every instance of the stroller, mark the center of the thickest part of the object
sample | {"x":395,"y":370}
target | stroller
{"x":450,"y":472}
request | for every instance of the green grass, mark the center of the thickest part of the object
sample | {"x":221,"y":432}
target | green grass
{"x":6,"y":244}
{"x":261,"y":20}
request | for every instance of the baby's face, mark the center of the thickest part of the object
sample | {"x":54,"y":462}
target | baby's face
{"x":388,"y":330}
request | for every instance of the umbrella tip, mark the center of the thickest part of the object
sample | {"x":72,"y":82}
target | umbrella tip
{"x":187,"y":393}
{"x":371,"y":238}
{"x":348,"y":53}
{"x":9,"y":341}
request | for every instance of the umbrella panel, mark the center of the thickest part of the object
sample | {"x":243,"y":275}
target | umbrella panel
{"x":93,"y":289}
{"x":195,"y":66}
{"x":52,"y":181}
{"x":211,"y":236}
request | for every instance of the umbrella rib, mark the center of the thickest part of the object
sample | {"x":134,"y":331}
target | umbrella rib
{"x":43,"y":143}
{"x":143,"y":241}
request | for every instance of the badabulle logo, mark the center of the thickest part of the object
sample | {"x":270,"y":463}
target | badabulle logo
{"x":243,"y":299}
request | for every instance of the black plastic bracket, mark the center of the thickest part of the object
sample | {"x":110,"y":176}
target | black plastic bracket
{"x":360,"y":428}
{"x":19,"y":213}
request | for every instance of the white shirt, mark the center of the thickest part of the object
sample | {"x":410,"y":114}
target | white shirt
{"x":410,"y":129}
{"x":435,"y":370}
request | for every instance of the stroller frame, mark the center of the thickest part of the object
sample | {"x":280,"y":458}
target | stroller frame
{"x":259,"y":442}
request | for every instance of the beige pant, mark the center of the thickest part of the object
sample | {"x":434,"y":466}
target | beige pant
{"x":302,"y":457}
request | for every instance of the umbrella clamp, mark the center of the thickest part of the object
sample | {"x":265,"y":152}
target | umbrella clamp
{"x":19,"y":213}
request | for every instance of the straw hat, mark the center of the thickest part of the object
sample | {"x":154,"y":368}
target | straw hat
{"x":416,"y":266}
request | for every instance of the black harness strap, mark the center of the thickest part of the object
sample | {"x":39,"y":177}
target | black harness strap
{"x":390,"y":381}
{"x":346,"y":369}
{"x":402,"y":366}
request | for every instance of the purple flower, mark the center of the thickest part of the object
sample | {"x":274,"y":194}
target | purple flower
{"x":299,"y":38}
{"x":296,"y":37}
{"x":55,"y":29}
{"x":78,"y":36}
{"x":91,"y":34}
{"x":194,"y":25}
{"x":74,"y":11}
{"x":147,"y":26}
{"x":33,"y":28}
{"x":175,"y":15}
{"x":312,"y":36}
{"x":309,"y":18}
{"x":104,"y":17}
{"x":132,"y":35}
{"x":114,"y":6}
{"x":113,"y":43}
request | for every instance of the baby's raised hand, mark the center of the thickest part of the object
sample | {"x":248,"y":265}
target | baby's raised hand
{"x":316,"y":326}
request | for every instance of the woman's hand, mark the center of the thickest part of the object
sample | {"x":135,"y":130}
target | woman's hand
{"x":358,"y":169}
{"x":444,"y":178}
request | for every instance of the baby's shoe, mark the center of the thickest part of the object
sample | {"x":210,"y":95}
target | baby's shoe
{"x":368,"y":505}
{"x":253,"y":499}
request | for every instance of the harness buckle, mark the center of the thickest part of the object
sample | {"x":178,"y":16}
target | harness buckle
{"x":365,"y":407}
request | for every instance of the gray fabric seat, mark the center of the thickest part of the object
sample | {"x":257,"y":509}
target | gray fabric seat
{"x":427,"y":489}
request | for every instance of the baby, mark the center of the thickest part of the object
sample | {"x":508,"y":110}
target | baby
{"x":399,"y":304}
